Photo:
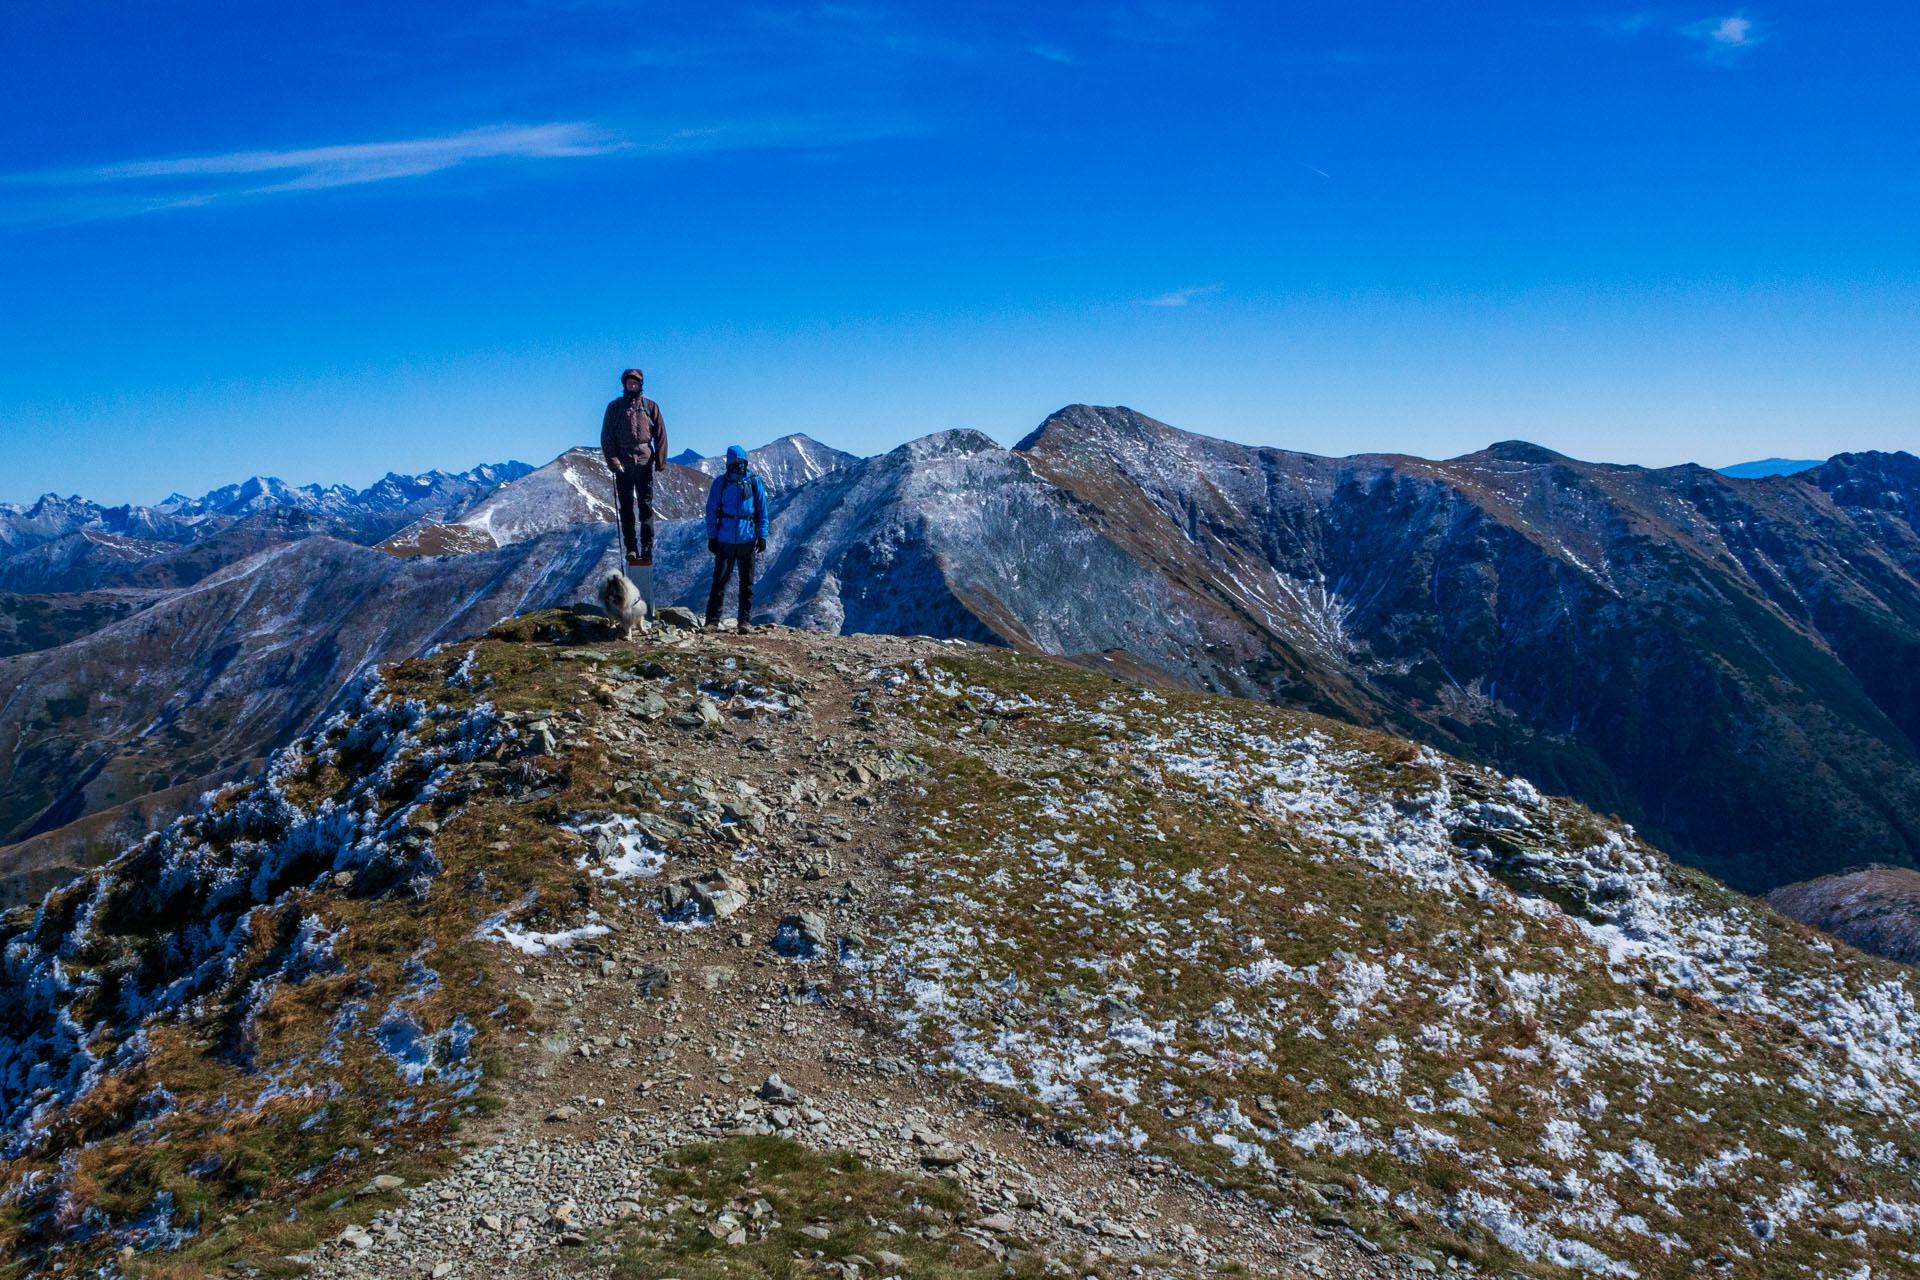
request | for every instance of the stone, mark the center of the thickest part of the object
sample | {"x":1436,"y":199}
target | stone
{"x":492,"y":1222}
{"x":674,"y":615}
{"x":724,"y":903}
{"x":776,"y":1090}
{"x":708,"y":710}
{"x":652,"y":979}
{"x":441,"y":1270}
{"x":560,"y":1115}
{"x":801,"y":936}
{"x":659,"y":828}
{"x":891,"y":1261}
{"x":941,"y":1157}
{"x":384,"y":1183}
{"x":718,"y":894}
{"x":816,"y":1233}
{"x":998,"y":1223}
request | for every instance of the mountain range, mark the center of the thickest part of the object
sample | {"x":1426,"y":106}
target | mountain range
{"x":1731,"y":665}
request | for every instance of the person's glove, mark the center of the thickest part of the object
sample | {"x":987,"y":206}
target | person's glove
{"x":713,"y":545}
{"x":759,"y":544}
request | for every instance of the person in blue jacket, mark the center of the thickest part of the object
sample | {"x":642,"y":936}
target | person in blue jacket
{"x":736,"y":528}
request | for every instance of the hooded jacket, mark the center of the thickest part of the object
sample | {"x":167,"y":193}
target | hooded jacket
{"x":633,"y":435}
{"x":737,"y":502}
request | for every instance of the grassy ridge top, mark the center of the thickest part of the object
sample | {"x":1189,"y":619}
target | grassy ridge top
{"x":1307,"y":962}
{"x":1408,"y":994}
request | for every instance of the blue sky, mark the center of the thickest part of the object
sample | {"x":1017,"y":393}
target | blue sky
{"x":322,"y":241}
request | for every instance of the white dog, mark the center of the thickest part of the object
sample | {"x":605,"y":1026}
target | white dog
{"x":623,"y":604}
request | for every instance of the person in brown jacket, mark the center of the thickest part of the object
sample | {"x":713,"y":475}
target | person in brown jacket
{"x":633,"y":439}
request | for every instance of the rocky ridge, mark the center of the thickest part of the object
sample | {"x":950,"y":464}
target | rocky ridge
{"x":1055,"y":972}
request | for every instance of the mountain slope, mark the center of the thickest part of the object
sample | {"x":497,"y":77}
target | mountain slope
{"x":1152,"y":979}
{"x":239,"y":663}
{"x":32,"y":622}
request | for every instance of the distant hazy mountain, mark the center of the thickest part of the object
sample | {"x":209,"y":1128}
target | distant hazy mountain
{"x":1769,"y":467}
{"x":365,"y":514}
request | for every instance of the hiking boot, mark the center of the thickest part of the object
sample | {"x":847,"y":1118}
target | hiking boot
{"x":743,"y":629}
{"x":713,"y":623}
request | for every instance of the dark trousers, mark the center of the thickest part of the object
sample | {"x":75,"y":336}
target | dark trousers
{"x":634,"y":487}
{"x":730,"y":554}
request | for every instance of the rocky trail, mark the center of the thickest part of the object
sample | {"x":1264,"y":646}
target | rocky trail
{"x":657,"y":1035}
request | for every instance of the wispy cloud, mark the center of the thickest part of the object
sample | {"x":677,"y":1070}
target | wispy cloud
{"x":317,"y":168}
{"x":145,"y":186}
{"x":132,"y":188}
{"x":1053,"y":53}
{"x":1723,"y":39}
{"x":1181,"y":297}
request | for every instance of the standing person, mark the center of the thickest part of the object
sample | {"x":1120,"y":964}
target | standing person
{"x":736,"y":528}
{"x":633,"y":439}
